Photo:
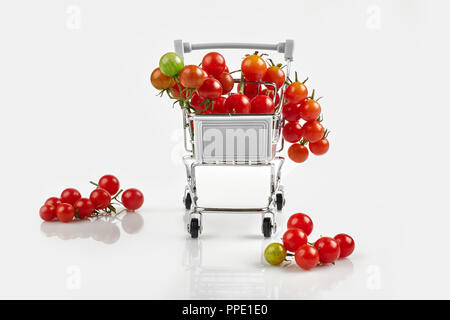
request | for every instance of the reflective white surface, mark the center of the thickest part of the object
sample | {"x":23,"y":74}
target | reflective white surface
{"x":76,"y":104}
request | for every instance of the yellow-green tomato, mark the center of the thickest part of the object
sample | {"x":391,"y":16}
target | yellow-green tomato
{"x":275,"y":253}
{"x":171,"y":64}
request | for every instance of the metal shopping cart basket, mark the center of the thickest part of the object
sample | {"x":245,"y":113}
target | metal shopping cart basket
{"x":234,"y":140}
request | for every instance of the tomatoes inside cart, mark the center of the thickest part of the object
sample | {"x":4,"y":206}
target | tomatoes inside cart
{"x":264,"y":87}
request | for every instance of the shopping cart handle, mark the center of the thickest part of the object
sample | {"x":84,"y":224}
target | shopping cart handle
{"x":286,"y":47}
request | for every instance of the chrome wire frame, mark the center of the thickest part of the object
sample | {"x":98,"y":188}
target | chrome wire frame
{"x":275,"y":163}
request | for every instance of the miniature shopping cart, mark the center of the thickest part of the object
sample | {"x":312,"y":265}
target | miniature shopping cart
{"x":234,"y":140}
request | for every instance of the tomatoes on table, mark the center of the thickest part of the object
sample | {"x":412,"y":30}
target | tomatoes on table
{"x":301,"y":221}
{"x":47,"y":212}
{"x":296,"y":92}
{"x":307,"y":257}
{"x":210,"y":89}
{"x":237,"y":103}
{"x":100,"y":198}
{"x":227,"y":82}
{"x":298,"y":152}
{"x":85,"y":207}
{"x":70,"y":195}
{"x":276,"y":75}
{"x":132,"y":199}
{"x":275,"y":254}
{"x":291,"y":111}
{"x":346,"y":244}
{"x":110,"y":183}
{"x":313,"y":131}
{"x":213,"y":63}
{"x":53,"y":201}
{"x":192,"y":76}
{"x":262,"y":104}
{"x":160,"y":81}
{"x":65,"y":212}
{"x":253,"y":67}
{"x":171,"y":64}
{"x":292,"y":131}
{"x":329,"y":250}
{"x":294,"y":238}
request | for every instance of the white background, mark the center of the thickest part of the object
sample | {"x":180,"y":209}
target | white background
{"x":77,"y":103}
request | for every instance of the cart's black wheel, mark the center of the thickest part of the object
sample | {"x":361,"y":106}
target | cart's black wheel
{"x":267,"y":227}
{"x":188,"y":201}
{"x":194,"y":228}
{"x":280,"y":200}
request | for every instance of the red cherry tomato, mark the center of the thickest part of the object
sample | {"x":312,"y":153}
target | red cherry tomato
{"x":160,"y":81}
{"x":253,"y":67}
{"x":296,"y":92}
{"x":346,"y":244}
{"x":262,"y":104}
{"x":250,"y":89}
{"x":213,"y":63}
{"x":319,"y":147}
{"x":65,"y":212}
{"x":276,"y":75}
{"x":291,"y":111}
{"x":53,"y":201}
{"x":70,"y":195}
{"x":313,"y":131}
{"x":132,"y":199}
{"x":310,"y":110}
{"x":100,"y":198}
{"x":294,"y":238}
{"x":219,"y":105}
{"x":270,"y":93}
{"x":292,"y":131}
{"x":210,"y":89}
{"x":198,"y":103}
{"x":328,"y":249}
{"x":85,"y":207}
{"x":307,"y":257}
{"x":227,"y":82}
{"x":47,"y":212}
{"x":298,"y":153}
{"x":192,"y":76}
{"x":110,"y":183}
{"x":301,"y":221}
{"x":238,"y":103}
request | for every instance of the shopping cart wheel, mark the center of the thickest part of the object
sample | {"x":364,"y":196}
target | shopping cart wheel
{"x":280,"y":200}
{"x":267,"y":227}
{"x":188,"y":201}
{"x":194,"y":228}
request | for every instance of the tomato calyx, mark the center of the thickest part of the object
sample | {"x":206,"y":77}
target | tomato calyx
{"x":289,"y":80}
{"x":110,"y":209}
{"x":256,"y":53}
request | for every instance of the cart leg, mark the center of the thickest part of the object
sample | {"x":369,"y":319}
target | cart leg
{"x":269,"y":226}
{"x":194,"y":224}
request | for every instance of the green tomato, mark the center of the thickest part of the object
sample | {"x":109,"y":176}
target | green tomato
{"x":171,"y":64}
{"x":275,"y":253}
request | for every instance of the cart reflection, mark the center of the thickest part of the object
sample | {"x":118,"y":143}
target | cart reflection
{"x":258,"y":281}
{"x":103,"y":229}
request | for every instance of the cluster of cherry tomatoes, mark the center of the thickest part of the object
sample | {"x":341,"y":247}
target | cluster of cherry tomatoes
{"x":308,"y":255}
{"x":71,"y":205}
{"x":202,"y":89}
